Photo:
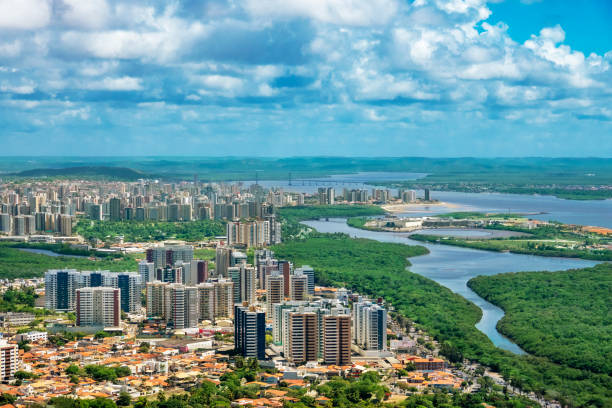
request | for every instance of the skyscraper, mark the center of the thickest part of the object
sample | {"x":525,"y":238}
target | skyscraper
{"x":98,"y":307}
{"x":130,"y":284}
{"x":250,"y":332}
{"x":245,"y":283}
{"x":168,"y":255}
{"x":337,"y":339}
{"x":146,"y":271}
{"x":299,"y":287}
{"x":156,"y":299}
{"x":275,"y":287}
{"x":60,"y":288}
{"x":181,"y":306}
{"x":114,"y":205}
{"x":303,"y":338}
{"x":370,"y":326}
{"x":308,"y":271}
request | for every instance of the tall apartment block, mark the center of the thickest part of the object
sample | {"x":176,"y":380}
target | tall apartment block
{"x":9,"y":360}
{"x":98,"y":306}
{"x":337,"y":339}
{"x":250,"y":332}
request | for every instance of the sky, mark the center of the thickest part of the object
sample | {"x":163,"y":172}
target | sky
{"x":306,"y":77}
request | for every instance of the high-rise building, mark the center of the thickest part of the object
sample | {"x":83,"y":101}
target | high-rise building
{"x":275,"y":291}
{"x":299,"y":287}
{"x":337,"y":339}
{"x":9,"y":360}
{"x":249,"y":234}
{"x":222,"y":261}
{"x":207,"y":301}
{"x":130,"y":284}
{"x":303,"y":338}
{"x":427,"y":195}
{"x":250,"y":332}
{"x":309,"y":272}
{"x":156,"y":299}
{"x":170,"y":274}
{"x":60,"y":289}
{"x":168,"y":255}
{"x":370,"y":326}
{"x":98,"y":306}
{"x":181,"y":306}
{"x":146,"y":271}
{"x":114,"y":205}
{"x":224,"y":299}
{"x":285,"y":269}
{"x":245,"y":283}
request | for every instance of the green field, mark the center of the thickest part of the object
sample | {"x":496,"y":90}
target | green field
{"x":564,"y":316}
{"x":15,"y":263}
{"x":139,"y":231}
{"x":378,"y":269}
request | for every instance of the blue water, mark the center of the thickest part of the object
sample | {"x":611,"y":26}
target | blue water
{"x":454,"y":266}
{"x":592,"y":212}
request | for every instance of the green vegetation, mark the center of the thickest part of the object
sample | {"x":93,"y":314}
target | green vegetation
{"x":135,"y":231}
{"x":15,"y":263}
{"x":291,"y":216}
{"x":21,"y":300}
{"x":98,"y":372}
{"x":564,"y":316}
{"x":95,"y":172}
{"x":204,"y":253}
{"x":378,"y":269}
{"x":328,"y":211}
{"x":528,"y":247}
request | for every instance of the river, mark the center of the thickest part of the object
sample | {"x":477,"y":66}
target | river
{"x":581,"y":212}
{"x":48,"y":253}
{"x":454,"y":266}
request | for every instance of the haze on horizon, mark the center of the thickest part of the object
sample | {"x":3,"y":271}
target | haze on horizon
{"x":437,"y":78}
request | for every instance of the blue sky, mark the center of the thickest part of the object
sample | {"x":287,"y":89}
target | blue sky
{"x":306,"y":77}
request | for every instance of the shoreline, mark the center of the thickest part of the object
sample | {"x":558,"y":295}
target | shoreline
{"x":416,"y":207}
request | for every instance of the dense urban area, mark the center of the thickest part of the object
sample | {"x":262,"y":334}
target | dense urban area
{"x":158,"y":294}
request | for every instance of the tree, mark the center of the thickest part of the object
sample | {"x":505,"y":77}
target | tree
{"x":124,"y":399}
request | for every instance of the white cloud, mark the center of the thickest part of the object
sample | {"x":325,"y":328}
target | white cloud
{"x":18,"y":89}
{"x":343,"y":12}
{"x":24,"y":14}
{"x":10,"y":49}
{"x":85,"y":13}
{"x":125,"y":83}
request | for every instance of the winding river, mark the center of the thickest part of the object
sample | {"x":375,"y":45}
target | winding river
{"x":454,"y":266}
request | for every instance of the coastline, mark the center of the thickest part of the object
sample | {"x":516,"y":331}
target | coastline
{"x":416,"y":207}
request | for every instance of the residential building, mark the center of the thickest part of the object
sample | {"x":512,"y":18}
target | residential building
{"x":249,"y":332}
{"x":9,"y":360}
{"x":337,"y":339}
{"x":98,"y":306}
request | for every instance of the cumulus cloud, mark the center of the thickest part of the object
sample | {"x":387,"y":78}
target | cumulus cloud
{"x":407,"y":65}
{"x":348,"y":12}
{"x":24,"y":14}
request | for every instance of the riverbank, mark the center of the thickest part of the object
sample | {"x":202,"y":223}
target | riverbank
{"x":418,"y":207}
{"x":458,"y":326}
{"x":538,"y":247}
{"x":535,"y":303}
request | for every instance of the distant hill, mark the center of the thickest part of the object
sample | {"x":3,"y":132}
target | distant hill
{"x":123,"y":173}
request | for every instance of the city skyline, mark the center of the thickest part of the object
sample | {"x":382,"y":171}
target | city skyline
{"x":285,"y":78}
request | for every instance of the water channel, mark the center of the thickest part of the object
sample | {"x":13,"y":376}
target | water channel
{"x":454,"y":266}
